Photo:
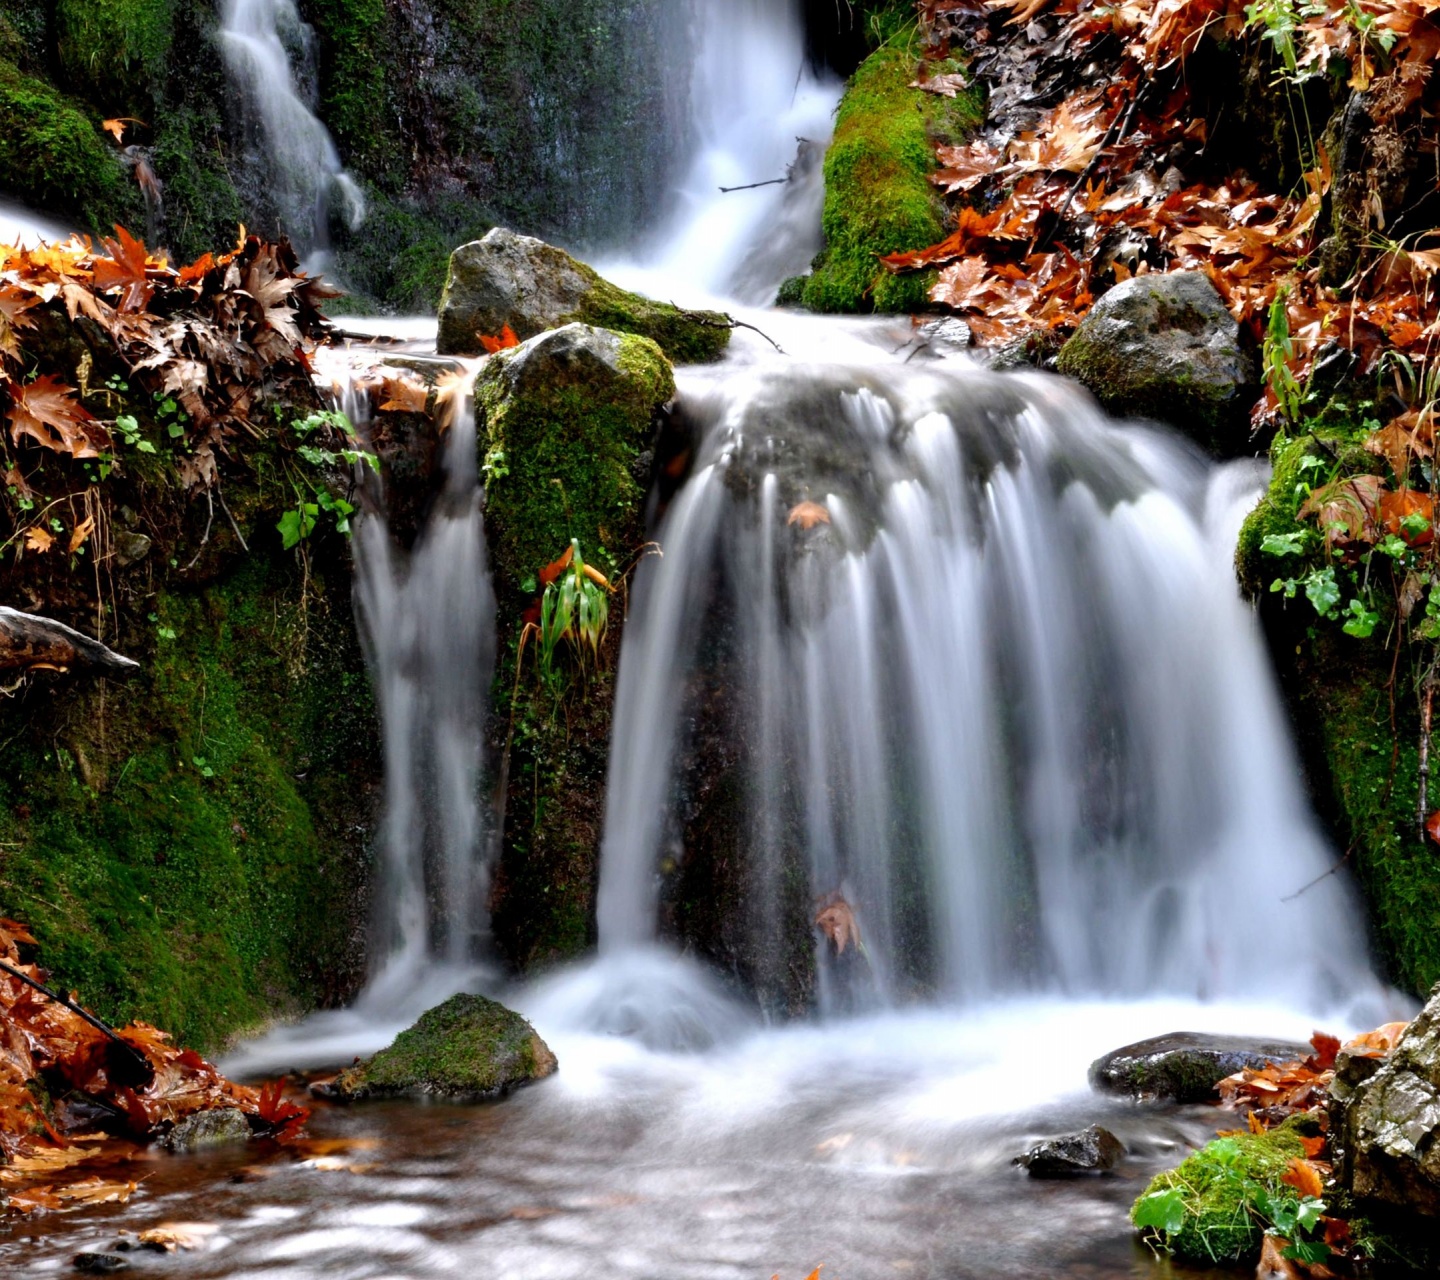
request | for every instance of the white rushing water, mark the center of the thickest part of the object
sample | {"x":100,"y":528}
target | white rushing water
{"x":302,"y":166}
{"x":757,"y":113}
{"x":18,"y":226}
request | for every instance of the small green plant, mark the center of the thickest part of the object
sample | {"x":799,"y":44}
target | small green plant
{"x":128,"y":429}
{"x":1277,"y":351}
{"x":574,"y":608}
{"x":1221,"y":1202}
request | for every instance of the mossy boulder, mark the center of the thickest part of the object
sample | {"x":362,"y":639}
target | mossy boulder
{"x":1184,"y":1066}
{"x":467,"y":1048}
{"x":878,"y":195}
{"x":1166,"y":347}
{"x":508,"y":279}
{"x":567,"y":421}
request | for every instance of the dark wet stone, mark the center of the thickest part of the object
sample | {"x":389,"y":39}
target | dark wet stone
{"x":207,"y":1129}
{"x":1185,"y":1066}
{"x":1092,"y":1150}
{"x":100,"y":1264}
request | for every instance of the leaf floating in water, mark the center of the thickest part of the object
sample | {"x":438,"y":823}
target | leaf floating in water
{"x":836,"y":920}
{"x":170,"y":1236}
{"x":808,"y":514}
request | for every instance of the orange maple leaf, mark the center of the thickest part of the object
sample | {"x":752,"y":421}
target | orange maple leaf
{"x":808,"y":514}
{"x":506,"y":339}
{"x":125,"y":268}
{"x":47,"y":412}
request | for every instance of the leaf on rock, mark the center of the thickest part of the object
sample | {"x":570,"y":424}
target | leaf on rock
{"x":1305,"y":1177}
{"x":836,"y":920}
{"x":47,"y":412}
{"x":403,"y":395}
{"x":505,"y":339}
{"x":808,"y":514}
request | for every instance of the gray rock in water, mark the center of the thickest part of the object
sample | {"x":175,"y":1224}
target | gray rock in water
{"x":509,"y":279}
{"x":1385,"y":1122}
{"x":207,"y":1129}
{"x":1092,"y":1150}
{"x":99,"y":1264}
{"x":1185,"y":1066}
{"x":1165,"y":347}
{"x":468,"y":1048}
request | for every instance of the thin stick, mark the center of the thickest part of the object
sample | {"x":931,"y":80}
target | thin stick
{"x":243,"y":546}
{"x":1426,"y":707}
{"x":751,"y":186}
{"x":729,"y":322}
{"x":75,"y":1008}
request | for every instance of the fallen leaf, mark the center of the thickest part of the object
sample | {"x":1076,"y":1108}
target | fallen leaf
{"x":836,"y":920}
{"x":38,"y":539}
{"x":1305,"y":1178}
{"x":808,"y":514}
{"x":505,"y":339}
{"x":170,"y":1236}
{"x":47,"y":412}
{"x":81,"y":534}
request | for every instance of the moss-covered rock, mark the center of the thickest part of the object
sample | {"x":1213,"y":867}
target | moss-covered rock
{"x":1166,"y":347}
{"x":878,"y":195}
{"x":1357,"y":731}
{"x":467,"y":1048}
{"x":114,"y":51}
{"x":567,"y":417}
{"x":517,"y":281}
{"x":1219,"y":1188}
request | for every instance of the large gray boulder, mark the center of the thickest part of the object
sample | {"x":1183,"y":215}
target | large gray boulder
{"x":466,"y":1049}
{"x":1165,"y":347}
{"x":1185,"y":1066}
{"x":1385,"y":1122}
{"x":508,"y":279}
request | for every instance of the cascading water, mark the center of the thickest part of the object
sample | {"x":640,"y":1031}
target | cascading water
{"x":992,"y":686}
{"x":757,"y":113}
{"x":295,"y":150}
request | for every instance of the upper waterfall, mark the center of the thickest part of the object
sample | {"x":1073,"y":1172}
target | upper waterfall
{"x":297,"y":152}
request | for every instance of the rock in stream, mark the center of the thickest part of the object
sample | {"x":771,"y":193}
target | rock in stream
{"x":1185,"y":1066}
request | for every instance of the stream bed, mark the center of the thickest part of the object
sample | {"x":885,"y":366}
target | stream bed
{"x":880,"y":1146}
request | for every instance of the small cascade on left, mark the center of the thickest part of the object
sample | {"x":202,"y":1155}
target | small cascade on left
{"x":426,"y":616}
{"x":302,"y":169}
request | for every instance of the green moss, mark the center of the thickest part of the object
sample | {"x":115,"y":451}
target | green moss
{"x":113,"y":52}
{"x":878,"y":195}
{"x":468,"y":1047}
{"x":686,"y":337}
{"x":355,"y":99}
{"x":1218,"y":1184}
{"x":53,"y":156}
{"x":562,"y":449}
{"x":167,"y":839}
{"x":1358,"y":734}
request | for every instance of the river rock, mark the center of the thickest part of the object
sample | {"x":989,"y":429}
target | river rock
{"x":515,"y":280}
{"x":1165,"y":347}
{"x":1092,"y":1150}
{"x":1185,"y":1066}
{"x":566,"y":421}
{"x":205,"y":1129}
{"x":1385,"y":1122}
{"x":468,"y":1048}
{"x":99,"y":1264}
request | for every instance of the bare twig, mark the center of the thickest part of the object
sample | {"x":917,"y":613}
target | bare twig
{"x":725,"y":322}
{"x":751,"y":186}
{"x":239,"y":536}
{"x":89,"y":1017}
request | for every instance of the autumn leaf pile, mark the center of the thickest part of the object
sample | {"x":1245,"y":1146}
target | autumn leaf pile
{"x":73,"y":1097}
{"x":1113,"y":175}
{"x":215,"y":340}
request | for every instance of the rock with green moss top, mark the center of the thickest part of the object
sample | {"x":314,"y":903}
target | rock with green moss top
{"x":878,"y":195}
{"x":508,"y":279}
{"x":567,"y":420}
{"x":1165,"y":347}
{"x":1184,"y":1066}
{"x":1215,"y":1207}
{"x":467,"y":1048}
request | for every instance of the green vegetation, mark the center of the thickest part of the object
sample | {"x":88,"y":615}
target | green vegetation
{"x":54,"y":155}
{"x":167,"y":839}
{"x":561,"y":448}
{"x":113,"y":52}
{"x":878,"y":195}
{"x":467,"y":1048}
{"x":1217,"y":1206}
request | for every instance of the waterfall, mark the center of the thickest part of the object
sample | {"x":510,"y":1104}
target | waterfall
{"x":991,"y":688}
{"x":18,"y":226}
{"x":297,"y":154}
{"x":427,"y":622}
{"x":757,"y":113}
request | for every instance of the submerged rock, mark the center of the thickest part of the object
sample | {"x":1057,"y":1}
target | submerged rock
{"x":1185,"y":1066}
{"x":1385,"y":1122}
{"x":1165,"y":347}
{"x":467,"y":1048}
{"x":99,"y":1264}
{"x":515,"y":280}
{"x":1092,"y":1150}
{"x":566,"y":420}
{"x":206,"y":1129}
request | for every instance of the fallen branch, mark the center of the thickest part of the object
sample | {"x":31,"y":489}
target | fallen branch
{"x":29,"y":642}
{"x":708,"y":321}
{"x":751,"y":186}
{"x":109,"y":1032}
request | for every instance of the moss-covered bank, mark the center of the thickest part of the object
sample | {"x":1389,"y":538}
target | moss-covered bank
{"x":878,"y":195}
{"x":168,"y":838}
{"x":1355,"y":712}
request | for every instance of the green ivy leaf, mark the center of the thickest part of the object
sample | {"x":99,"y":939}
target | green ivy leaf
{"x":1161,"y":1211}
